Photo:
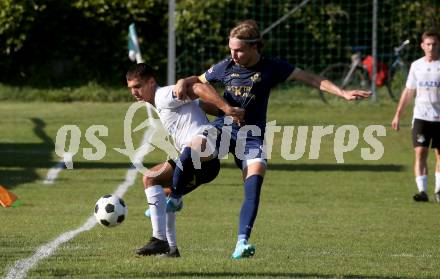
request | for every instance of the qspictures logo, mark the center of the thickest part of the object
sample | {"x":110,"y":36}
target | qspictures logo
{"x":308,"y":138}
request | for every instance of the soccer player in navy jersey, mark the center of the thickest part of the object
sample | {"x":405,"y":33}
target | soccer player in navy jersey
{"x":248,"y":77}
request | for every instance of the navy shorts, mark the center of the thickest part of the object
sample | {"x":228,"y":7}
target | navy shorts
{"x":242,"y":143}
{"x":426,"y":133}
{"x":207,"y":173}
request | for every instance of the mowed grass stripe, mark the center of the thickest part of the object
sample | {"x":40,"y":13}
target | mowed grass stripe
{"x":317,"y":218}
{"x":21,"y":267}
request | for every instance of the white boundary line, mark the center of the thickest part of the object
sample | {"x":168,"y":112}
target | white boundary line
{"x":21,"y":267}
{"x":52,"y":174}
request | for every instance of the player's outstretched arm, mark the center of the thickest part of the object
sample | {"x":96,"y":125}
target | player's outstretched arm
{"x":327,"y":86}
{"x":405,"y":98}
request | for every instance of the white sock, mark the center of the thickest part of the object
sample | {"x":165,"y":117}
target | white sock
{"x":157,"y":203}
{"x":171,"y":229}
{"x":437,"y":182}
{"x":422,"y":183}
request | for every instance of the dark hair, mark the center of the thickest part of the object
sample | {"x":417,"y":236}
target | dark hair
{"x":247,"y":30}
{"x":431,"y":33}
{"x":140,"y":71}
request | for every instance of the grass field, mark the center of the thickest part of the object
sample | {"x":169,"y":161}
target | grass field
{"x":317,"y":219}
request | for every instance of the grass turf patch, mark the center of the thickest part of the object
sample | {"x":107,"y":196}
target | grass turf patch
{"x":317,"y":218}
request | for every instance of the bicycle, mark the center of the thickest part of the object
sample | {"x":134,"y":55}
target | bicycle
{"x":356,"y":76}
{"x":397,"y":73}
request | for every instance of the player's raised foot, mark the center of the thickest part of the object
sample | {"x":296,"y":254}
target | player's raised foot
{"x":173,"y":253}
{"x":154,"y":247}
{"x":170,"y":208}
{"x":147,"y":213}
{"x":421,"y":197}
{"x":243,"y":250}
{"x":174,"y":205}
{"x":437,"y":197}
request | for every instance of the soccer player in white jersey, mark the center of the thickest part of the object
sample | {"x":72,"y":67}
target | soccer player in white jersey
{"x":187,"y":124}
{"x":424,"y":83}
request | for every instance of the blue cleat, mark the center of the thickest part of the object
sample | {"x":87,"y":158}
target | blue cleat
{"x":171,"y":207}
{"x":243,"y":250}
{"x":147,"y":213}
{"x":174,"y":205}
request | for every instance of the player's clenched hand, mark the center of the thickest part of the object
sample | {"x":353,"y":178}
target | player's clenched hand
{"x":395,"y":124}
{"x":179,"y":90}
{"x":237,"y":113}
{"x":356,"y":94}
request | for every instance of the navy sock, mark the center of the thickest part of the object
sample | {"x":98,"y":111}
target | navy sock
{"x":182,"y":177}
{"x":249,"y":209}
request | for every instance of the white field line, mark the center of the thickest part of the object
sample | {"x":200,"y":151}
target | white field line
{"x":21,"y":267}
{"x":52,"y":174}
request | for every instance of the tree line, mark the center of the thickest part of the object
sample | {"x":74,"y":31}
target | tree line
{"x":55,"y":43}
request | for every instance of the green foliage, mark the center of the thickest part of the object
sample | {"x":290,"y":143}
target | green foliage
{"x":58,"y":43}
{"x":71,"y":42}
{"x":411,"y":18}
{"x":201,"y":30}
{"x":16,"y":19}
{"x":322,"y":32}
{"x":321,"y":25}
{"x":115,"y":12}
{"x":151,"y":23}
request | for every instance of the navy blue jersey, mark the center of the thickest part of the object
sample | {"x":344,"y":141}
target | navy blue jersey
{"x":249,"y":88}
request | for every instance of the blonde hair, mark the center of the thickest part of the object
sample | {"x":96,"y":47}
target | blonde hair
{"x":248,"y":32}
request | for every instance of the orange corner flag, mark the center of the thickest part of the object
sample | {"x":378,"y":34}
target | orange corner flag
{"x":7,"y":198}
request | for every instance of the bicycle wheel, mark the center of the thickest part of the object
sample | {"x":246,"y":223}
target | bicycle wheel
{"x":396,"y":81}
{"x":337,"y":73}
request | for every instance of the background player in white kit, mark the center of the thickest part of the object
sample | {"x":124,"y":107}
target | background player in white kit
{"x":187,"y":124}
{"x":424,"y":82}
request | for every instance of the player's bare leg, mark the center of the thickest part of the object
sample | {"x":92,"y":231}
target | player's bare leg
{"x":437,"y":176}
{"x":421,"y":173}
{"x":153,"y":180}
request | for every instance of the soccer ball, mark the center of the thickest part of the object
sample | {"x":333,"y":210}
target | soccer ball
{"x":110,"y":210}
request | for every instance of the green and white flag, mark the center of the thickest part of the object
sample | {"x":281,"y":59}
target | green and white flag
{"x":134,"y":51}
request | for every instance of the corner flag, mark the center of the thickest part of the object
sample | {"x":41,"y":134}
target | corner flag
{"x":7,"y":198}
{"x":134,"y":51}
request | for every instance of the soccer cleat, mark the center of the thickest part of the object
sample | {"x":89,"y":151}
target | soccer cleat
{"x":421,"y":196}
{"x":174,"y":205}
{"x":154,"y":247}
{"x":170,"y":207}
{"x":147,"y":213}
{"x":173,"y":253}
{"x":437,"y":197}
{"x":243,"y":250}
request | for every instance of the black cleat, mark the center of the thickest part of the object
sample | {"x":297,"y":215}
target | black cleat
{"x":154,"y":247}
{"x":421,"y":197}
{"x":173,"y":253}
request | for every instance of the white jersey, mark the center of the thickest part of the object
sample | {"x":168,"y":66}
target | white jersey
{"x":424,"y":76}
{"x":182,"y":119}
